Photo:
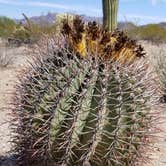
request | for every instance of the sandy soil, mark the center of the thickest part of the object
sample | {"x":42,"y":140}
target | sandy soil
{"x":8,"y":79}
{"x":158,"y":157}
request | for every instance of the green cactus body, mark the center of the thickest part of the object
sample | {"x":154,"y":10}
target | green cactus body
{"x":74,"y":111}
{"x":110,"y":11}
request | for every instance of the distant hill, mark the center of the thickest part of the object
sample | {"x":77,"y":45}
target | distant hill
{"x":43,"y":19}
{"x":50,"y":18}
{"x":163,"y":24}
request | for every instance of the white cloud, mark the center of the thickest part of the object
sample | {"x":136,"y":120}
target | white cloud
{"x":127,"y":0}
{"x":50,"y":5}
{"x":142,"y":18}
{"x":154,"y":2}
{"x":35,"y":4}
{"x":11,"y":2}
{"x":65,"y":7}
{"x":73,"y":8}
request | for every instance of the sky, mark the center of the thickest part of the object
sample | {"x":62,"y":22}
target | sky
{"x":137,"y":11}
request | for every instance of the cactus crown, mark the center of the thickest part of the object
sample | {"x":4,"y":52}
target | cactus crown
{"x":91,"y":38}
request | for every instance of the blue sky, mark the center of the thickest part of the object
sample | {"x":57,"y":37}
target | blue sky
{"x":138,"y":11}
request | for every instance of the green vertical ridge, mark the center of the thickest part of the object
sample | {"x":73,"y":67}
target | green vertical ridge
{"x":110,"y":12}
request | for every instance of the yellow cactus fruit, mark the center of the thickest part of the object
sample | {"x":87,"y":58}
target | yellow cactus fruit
{"x":80,"y":47}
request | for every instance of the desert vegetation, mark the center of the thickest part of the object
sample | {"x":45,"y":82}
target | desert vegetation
{"x":30,"y":32}
{"x":88,"y":95}
{"x":23,"y":33}
{"x":152,"y":33}
{"x":157,"y":58}
{"x":161,"y":69}
{"x":6,"y":58}
{"x":7,"y":26}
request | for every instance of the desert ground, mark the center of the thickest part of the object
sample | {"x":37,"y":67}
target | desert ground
{"x":17,"y":60}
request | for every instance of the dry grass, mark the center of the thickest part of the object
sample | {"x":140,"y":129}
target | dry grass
{"x":161,"y":70}
{"x":157,"y":57}
{"x":6,"y":56}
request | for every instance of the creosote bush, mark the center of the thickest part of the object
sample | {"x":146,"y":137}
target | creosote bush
{"x":7,"y":26}
{"x":84,"y":107}
{"x":153,"y":33}
{"x":27,"y":32}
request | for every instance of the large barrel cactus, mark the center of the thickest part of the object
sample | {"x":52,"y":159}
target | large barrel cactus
{"x":77,"y":111}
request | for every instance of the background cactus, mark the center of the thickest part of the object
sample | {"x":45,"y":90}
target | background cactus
{"x":78,"y":111}
{"x":110,"y":11}
{"x":61,"y":17}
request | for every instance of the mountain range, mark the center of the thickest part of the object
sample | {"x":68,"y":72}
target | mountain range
{"x":50,"y":18}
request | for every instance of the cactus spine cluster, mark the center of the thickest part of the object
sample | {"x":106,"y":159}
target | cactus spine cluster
{"x":110,"y":11}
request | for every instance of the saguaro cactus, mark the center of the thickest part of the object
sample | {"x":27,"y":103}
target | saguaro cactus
{"x":110,"y":11}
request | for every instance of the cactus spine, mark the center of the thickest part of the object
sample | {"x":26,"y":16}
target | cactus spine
{"x":110,"y":10}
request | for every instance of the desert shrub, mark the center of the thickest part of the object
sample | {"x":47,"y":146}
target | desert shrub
{"x":7,"y":26}
{"x":22,"y":33}
{"x":27,"y":35}
{"x":157,"y":57}
{"x":6,"y":58}
{"x":28,"y":32}
{"x":161,"y":70}
{"x":48,"y":29}
{"x":152,"y":32}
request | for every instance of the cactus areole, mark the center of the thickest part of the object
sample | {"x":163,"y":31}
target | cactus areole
{"x":110,"y":11}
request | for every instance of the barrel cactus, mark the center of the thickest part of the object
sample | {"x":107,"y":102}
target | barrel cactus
{"x":83,"y":108}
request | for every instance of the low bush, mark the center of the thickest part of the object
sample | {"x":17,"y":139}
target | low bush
{"x":152,"y":32}
{"x":161,"y":70}
{"x":27,"y":33}
{"x":6,"y":58}
{"x":7,"y":26}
